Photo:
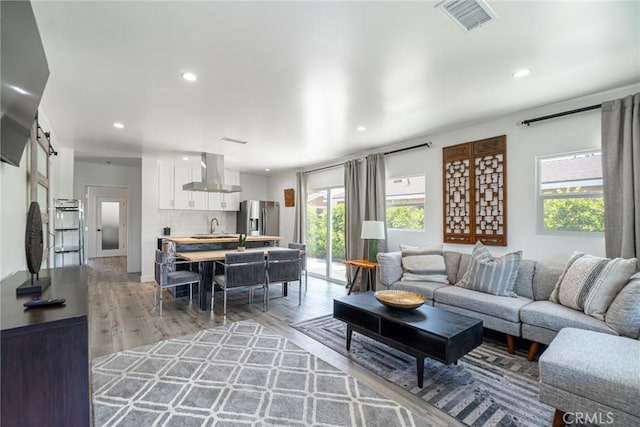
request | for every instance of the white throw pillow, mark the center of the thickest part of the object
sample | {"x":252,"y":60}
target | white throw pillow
{"x":423,"y":263}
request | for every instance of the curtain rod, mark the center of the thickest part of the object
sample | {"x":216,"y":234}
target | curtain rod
{"x":426,"y":144}
{"x":564,"y":113}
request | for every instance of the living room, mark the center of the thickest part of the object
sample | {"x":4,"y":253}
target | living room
{"x":111,"y":157}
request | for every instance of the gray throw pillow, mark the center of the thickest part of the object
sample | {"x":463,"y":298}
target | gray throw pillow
{"x":389,"y":267}
{"x":496,"y":276}
{"x":590,"y":283}
{"x":624,"y":312}
{"x":424,"y":263}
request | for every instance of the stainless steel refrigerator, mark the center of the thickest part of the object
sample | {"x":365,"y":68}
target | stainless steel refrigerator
{"x":259,"y":217}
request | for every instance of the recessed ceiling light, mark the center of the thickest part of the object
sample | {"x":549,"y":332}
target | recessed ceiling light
{"x":267,"y":169}
{"x":521,"y":73}
{"x":118,"y":125}
{"x":304,"y":159}
{"x":361,"y":128}
{"x":185,"y":158}
{"x":190,"y":77}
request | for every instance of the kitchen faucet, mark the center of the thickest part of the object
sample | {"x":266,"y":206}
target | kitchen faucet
{"x":213,"y":227}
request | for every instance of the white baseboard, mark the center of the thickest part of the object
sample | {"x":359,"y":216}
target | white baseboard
{"x":148,"y":278}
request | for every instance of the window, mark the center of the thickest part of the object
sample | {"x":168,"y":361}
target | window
{"x":570,"y":193}
{"x":405,"y":202}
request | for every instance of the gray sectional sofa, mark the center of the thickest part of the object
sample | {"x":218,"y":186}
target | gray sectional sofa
{"x":529,"y":315}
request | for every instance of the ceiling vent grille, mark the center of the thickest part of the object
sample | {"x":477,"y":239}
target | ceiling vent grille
{"x":235,"y":141}
{"x":468,"y":14}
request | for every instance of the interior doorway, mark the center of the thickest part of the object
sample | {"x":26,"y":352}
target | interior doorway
{"x":111,"y":226}
{"x":107,"y":221}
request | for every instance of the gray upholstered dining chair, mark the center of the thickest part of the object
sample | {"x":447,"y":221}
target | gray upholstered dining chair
{"x":166,"y":276}
{"x":303,"y":260}
{"x":284,"y":266}
{"x":242,"y":269}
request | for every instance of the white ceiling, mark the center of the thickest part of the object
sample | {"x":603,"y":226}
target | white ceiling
{"x":296,"y":79}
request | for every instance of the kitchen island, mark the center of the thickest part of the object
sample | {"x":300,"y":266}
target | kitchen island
{"x":210,"y":242}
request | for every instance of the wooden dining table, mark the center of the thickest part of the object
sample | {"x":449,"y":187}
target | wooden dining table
{"x":202,"y":257}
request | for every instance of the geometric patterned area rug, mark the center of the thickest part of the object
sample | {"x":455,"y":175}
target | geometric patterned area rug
{"x":487,"y":387}
{"x":238,"y":374}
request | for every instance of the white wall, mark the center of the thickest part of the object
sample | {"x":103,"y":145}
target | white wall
{"x":276,"y":184}
{"x":104,"y":175}
{"x":254,"y":187}
{"x":524,"y":144}
{"x":14,"y":199}
{"x":13,"y":217}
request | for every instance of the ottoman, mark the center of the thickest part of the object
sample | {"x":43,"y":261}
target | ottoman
{"x":591,"y":377}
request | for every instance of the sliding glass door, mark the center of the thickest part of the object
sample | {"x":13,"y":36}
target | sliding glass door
{"x":325,"y":233}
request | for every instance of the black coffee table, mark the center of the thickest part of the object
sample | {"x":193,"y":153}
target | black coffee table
{"x":423,"y":332}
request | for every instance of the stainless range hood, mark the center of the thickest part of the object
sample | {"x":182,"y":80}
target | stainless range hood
{"x":212,"y":176}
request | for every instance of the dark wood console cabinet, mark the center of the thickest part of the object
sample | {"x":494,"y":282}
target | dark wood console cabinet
{"x":45,"y":353}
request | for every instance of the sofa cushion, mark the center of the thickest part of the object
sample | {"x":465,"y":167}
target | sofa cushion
{"x":424,"y":263}
{"x":624,"y":312}
{"x":452,"y":262}
{"x":507,"y":308}
{"x":465,"y":260}
{"x":524,"y":279}
{"x":549,"y":315}
{"x":599,"y":367}
{"x":423,"y":288}
{"x":491,"y":275}
{"x":389,"y":267}
{"x":545,"y":278}
{"x":591,"y":283}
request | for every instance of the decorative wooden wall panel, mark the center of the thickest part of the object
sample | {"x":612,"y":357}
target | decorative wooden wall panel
{"x":475,"y":192}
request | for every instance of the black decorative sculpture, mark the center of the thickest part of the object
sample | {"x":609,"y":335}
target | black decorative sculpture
{"x":33,"y":247}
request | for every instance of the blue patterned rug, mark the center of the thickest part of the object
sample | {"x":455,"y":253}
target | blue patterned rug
{"x":488,"y":387}
{"x":236,"y":375}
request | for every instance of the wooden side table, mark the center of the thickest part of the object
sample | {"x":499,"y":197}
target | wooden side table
{"x":360,"y":264}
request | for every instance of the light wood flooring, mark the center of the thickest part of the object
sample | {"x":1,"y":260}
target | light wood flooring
{"x":122,"y":316}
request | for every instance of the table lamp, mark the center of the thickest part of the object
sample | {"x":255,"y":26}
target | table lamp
{"x":373,"y":231}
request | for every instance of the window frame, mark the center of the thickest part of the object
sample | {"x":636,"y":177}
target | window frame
{"x":540,"y":198}
{"x":424,"y":204}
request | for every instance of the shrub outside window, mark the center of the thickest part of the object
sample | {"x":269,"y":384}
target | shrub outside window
{"x":570,"y":193}
{"x":405,"y":202}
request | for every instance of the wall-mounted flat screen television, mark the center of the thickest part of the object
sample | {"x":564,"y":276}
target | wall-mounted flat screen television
{"x":23,"y":76}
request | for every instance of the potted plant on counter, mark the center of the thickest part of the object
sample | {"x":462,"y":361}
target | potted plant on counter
{"x":242,"y":241}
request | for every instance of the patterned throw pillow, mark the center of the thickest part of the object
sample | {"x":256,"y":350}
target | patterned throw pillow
{"x":423,"y":264}
{"x":496,"y":276}
{"x":170,"y":250}
{"x":590,"y":283}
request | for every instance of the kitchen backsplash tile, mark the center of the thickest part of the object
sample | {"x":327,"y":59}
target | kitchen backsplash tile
{"x":196,"y":222}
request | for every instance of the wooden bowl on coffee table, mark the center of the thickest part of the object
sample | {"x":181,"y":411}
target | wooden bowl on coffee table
{"x":400,"y":300}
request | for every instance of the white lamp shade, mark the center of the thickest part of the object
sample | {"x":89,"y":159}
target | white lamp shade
{"x":372,"y":230}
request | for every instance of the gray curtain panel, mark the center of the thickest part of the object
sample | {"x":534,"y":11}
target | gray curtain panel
{"x":353,"y":216}
{"x":621,"y":173}
{"x":300,"y":220}
{"x":375,"y":197}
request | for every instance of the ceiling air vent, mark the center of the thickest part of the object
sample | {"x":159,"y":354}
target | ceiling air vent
{"x":469,"y":14}
{"x":235,"y":141}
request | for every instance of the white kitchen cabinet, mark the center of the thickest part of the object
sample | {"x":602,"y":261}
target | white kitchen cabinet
{"x":166,"y":189}
{"x":194,"y":200}
{"x":199,"y":200}
{"x":226,"y":201}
